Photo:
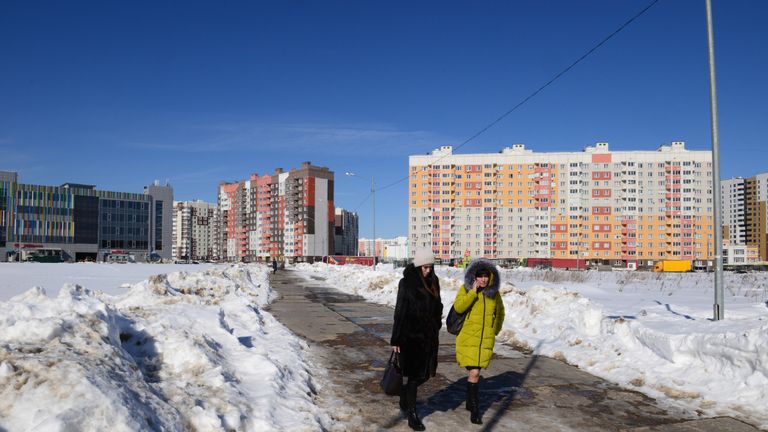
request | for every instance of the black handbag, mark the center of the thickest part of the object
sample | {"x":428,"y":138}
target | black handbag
{"x":392,"y":381}
{"x":455,"y":321}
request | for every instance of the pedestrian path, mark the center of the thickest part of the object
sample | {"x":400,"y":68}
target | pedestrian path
{"x":518,"y":392}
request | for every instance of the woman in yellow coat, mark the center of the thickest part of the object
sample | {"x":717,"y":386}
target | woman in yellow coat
{"x":479,"y":297}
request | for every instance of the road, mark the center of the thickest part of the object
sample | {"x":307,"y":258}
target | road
{"x":349,"y":338}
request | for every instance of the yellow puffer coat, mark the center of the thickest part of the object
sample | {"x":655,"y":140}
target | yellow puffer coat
{"x":474,"y":344}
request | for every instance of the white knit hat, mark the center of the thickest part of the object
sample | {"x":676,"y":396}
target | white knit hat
{"x":423,"y":257}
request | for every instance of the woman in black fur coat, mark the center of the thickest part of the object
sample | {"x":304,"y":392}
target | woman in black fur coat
{"x":418,"y":318}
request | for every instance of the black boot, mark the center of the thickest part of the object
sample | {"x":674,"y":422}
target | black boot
{"x":414,"y":422}
{"x":473,"y":403}
{"x":469,"y":399}
{"x":403,"y":398}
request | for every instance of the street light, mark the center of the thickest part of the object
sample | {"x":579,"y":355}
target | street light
{"x":373,"y":193}
{"x":719,"y":306}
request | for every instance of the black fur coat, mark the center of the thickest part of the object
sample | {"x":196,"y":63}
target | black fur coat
{"x":417,"y":322}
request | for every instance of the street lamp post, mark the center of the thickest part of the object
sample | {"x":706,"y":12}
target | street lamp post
{"x":373,"y":194}
{"x":719,"y":306}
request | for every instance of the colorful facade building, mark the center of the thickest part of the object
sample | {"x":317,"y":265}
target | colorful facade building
{"x":570,"y":209}
{"x":78,"y":222}
{"x":232,"y":211}
{"x":286,"y":215}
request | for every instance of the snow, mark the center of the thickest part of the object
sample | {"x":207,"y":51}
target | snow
{"x":176,"y":351}
{"x":16,"y":278}
{"x":190,"y":347}
{"x":646,"y":331}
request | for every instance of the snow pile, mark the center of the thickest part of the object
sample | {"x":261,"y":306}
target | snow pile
{"x":177,"y":352}
{"x":714,"y":367}
{"x":110,"y":278}
{"x":378,"y":286}
{"x":647,"y":331}
{"x":375,"y":285}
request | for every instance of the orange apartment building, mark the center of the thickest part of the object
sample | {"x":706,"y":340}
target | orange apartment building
{"x":286,"y":215}
{"x":567,"y":209}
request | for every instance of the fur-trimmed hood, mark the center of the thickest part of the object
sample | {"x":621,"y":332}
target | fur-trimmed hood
{"x":474,"y":267}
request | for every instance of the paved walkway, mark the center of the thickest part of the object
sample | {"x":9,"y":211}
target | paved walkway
{"x":349,"y":337}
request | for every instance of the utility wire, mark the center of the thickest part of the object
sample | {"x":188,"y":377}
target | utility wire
{"x":363,"y":201}
{"x":540,"y":89}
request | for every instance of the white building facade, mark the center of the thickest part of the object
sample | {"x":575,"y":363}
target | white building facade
{"x":386,"y":249}
{"x":734,"y":210}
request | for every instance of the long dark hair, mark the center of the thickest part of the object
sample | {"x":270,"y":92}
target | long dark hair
{"x":430,"y":282}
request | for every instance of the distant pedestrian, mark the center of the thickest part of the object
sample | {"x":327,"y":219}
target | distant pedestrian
{"x":274,"y":266}
{"x":417,"y":322}
{"x":480,"y":298}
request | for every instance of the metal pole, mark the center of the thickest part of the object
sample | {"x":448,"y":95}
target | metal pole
{"x":719,"y":306}
{"x":373,"y":192}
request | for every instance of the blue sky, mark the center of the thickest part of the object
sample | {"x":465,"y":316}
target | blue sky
{"x":118,"y":94}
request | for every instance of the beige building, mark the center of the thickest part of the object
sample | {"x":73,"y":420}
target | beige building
{"x":194,"y":230}
{"x":736,"y":254}
{"x":745,"y":212}
{"x":567,"y":208}
{"x":756,"y":220}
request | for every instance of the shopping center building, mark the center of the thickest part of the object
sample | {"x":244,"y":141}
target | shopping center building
{"x":77,"y":222}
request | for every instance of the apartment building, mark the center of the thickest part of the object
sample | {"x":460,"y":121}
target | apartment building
{"x":736,"y":254}
{"x":78,"y":222}
{"x":745,"y":212}
{"x":232,"y":212}
{"x":734,"y":211}
{"x":346,"y":229}
{"x":194,"y":230}
{"x":386,"y":249}
{"x":626,"y":208}
{"x":285,"y":215}
{"x":756,"y":220}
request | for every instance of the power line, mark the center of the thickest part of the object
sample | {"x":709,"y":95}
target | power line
{"x":540,"y":89}
{"x":363,"y":202}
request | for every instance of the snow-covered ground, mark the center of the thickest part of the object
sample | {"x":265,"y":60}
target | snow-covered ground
{"x":647,"y":331}
{"x":164,"y":347}
{"x":176,"y":351}
{"x":15,"y":278}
